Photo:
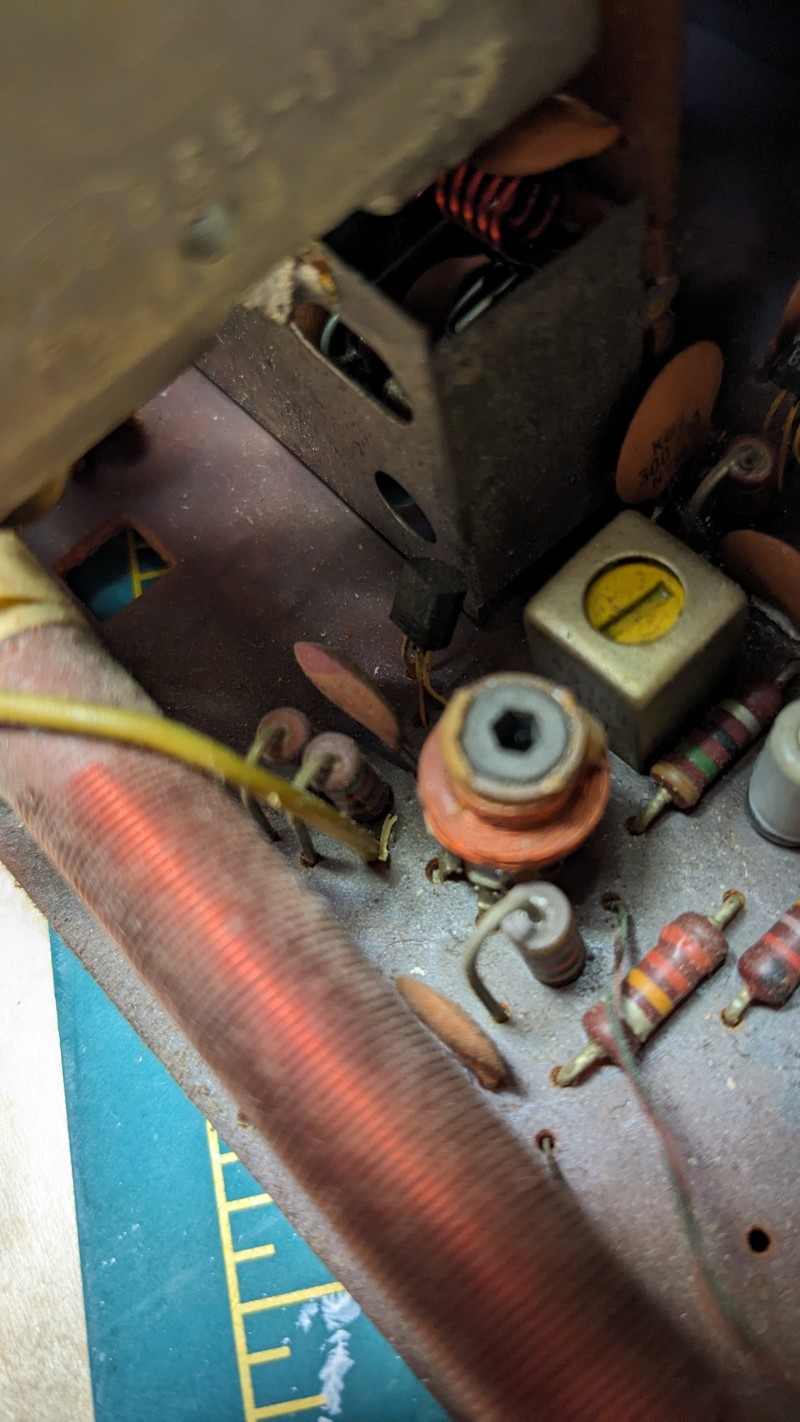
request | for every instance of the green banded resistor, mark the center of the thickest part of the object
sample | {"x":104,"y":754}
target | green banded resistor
{"x":724,"y":734}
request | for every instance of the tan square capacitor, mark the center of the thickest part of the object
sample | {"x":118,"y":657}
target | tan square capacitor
{"x":640,"y":628}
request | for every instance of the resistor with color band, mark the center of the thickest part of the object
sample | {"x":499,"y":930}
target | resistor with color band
{"x":282,"y":736}
{"x":688,"y":950}
{"x":280,"y":739}
{"x":546,"y":934}
{"x":346,"y":777}
{"x":726,"y":732}
{"x":770,"y":969}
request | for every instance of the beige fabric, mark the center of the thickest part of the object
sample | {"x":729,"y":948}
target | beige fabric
{"x":44,"y":1363}
{"x":29,"y":597}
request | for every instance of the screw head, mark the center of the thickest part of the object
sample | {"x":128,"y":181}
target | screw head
{"x":211,"y":234}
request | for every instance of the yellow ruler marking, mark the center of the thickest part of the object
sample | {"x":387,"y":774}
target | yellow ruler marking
{"x":259,"y":1251}
{"x":318,"y":1291}
{"x":133,"y":560}
{"x":268,"y":1355}
{"x":231,"y":1257}
{"x":247,"y":1202}
{"x":231,"y":1279}
{"x":139,"y":576}
{"x":285,"y":1409}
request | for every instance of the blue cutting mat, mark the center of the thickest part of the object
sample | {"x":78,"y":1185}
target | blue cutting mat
{"x":202,"y":1302}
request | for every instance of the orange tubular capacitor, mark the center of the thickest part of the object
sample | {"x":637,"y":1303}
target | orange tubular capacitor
{"x":689,"y":949}
{"x":515,"y":775}
{"x":672,"y":423}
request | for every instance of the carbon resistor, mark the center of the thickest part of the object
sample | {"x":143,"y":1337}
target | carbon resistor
{"x":743,"y":479}
{"x":727,"y":731}
{"x":346,"y":777}
{"x":282,"y":736}
{"x":770,"y":969}
{"x":748,"y":490}
{"x":280,"y":739}
{"x":546,"y":934}
{"x":688,"y":950}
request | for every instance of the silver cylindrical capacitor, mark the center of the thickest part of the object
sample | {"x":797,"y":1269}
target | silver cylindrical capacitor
{"x":347,"y":778}
{"x":547,"y":936}
{"x":774,"y":793}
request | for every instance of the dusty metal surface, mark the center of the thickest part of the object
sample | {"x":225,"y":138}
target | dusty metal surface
{"x":159,"y":158}
{"x":261,"y":544}
{"x":512,"y":417}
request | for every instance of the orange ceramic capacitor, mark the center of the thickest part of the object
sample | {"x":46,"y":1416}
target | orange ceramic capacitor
{"x":671,"y":425}
{"x":558,"y":131}
{"x":348,"y":687}
{"x":766,"y":567}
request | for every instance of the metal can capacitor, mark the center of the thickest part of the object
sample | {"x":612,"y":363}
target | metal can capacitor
{"x":774,"y":794}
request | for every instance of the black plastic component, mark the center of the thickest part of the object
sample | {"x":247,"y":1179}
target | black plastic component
{"x":428,"y":603}
{"x":785,"y":369}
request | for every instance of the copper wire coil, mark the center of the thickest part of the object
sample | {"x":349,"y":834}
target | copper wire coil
{"x":515,"y":1308}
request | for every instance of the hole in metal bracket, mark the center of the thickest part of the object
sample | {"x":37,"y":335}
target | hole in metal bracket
{"x":352,"y":356}
{"x":404,"y":507}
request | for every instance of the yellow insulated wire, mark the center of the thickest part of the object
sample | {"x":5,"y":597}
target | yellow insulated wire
{"x":772,"y":411}
{"x":786,"y":439}
{"x":149,"y":732}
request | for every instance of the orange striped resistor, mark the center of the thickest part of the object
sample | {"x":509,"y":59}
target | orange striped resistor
{"x":688,"y":950}
{"x":770,"y":968}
